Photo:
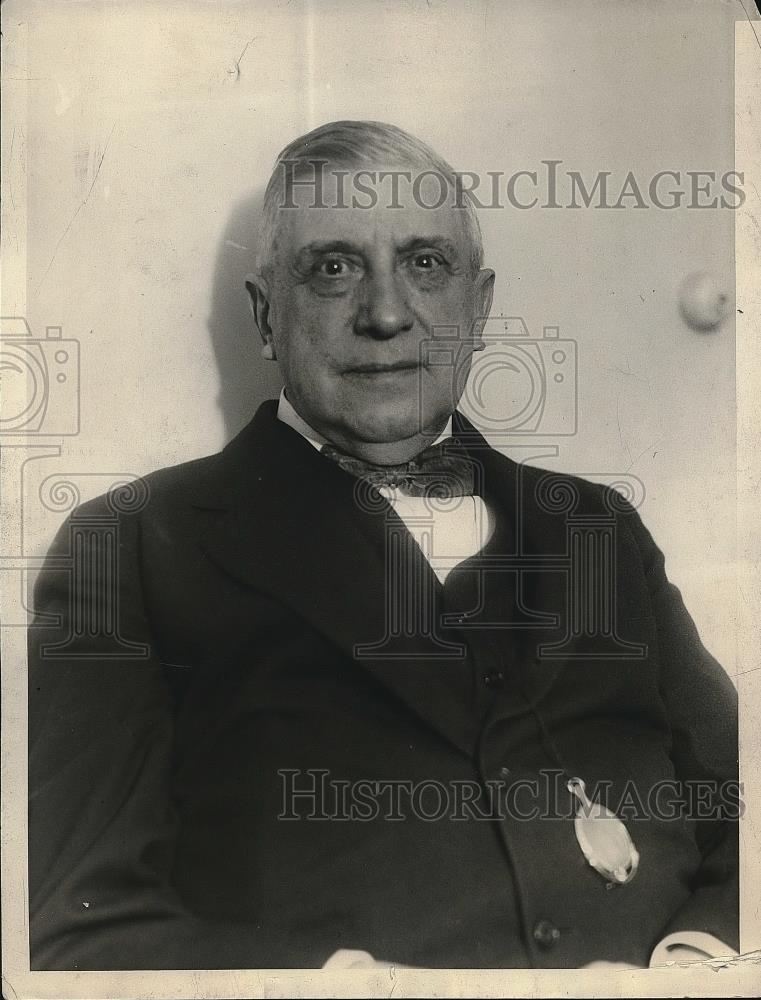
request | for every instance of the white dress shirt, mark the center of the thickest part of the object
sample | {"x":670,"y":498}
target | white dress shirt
{"x":446,"y":531}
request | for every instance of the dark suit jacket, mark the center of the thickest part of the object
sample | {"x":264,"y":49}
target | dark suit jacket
{"x":163,"y":709}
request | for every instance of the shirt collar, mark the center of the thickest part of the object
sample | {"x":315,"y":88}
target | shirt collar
{"x":288,"y":415}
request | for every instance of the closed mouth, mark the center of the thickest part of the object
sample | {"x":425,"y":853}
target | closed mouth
{"x":378,"y":368}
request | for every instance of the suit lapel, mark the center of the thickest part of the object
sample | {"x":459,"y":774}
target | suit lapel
{"x":532,"y":595}
{"x":290,"y":523}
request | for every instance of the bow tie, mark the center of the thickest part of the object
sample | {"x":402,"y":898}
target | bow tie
{"x":441,"y":471}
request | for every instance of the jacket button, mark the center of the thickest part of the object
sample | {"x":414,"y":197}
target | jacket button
{"x":546,"y":934}
{"x":494,"y":678}
{"x":500,"y":774}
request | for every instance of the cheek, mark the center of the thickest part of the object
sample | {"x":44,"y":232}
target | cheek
{"x":446,"y":383}
{"x":310,"y":324}
{"x":451,"y":305}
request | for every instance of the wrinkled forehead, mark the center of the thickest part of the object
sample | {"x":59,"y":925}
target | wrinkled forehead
{"x":370,"y":205}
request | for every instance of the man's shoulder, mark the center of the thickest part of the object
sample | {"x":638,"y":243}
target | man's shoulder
{"x":557,"y":491}
{"x":161,"y":492}
{"x":553,"y":491}
{"x":202,"y":482}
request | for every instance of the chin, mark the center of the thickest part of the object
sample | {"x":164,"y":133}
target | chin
{"x":388,"y":422}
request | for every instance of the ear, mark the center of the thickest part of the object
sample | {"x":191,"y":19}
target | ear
{"x":258,"y":295}
{"x":484,"y":288}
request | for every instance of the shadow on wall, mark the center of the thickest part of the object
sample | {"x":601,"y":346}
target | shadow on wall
{"x":245,"y":378}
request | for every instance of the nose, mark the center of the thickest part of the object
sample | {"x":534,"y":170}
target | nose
{"x":384,"y":311}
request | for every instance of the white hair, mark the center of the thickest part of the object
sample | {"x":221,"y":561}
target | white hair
{"x":353,"y":144}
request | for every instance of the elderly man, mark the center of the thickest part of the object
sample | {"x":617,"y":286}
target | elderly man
{"x":359,"y":610}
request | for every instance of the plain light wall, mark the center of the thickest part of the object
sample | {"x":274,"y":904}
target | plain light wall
{"x":153,"y":127}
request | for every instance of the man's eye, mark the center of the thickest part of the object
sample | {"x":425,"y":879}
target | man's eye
{"x":427,"y":261}
{"x":333,"y":268}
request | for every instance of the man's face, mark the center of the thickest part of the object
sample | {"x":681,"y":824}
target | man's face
{"x":351,"y":302}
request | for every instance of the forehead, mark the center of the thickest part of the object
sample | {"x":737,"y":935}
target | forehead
{"x":371,"y":205}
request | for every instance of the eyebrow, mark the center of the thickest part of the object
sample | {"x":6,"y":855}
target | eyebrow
{"x":328,"y":246}
{"x":317,"y":247}
{"x":424,"y":242}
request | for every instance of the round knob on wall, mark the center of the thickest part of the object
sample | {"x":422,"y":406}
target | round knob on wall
{"x":704,"y":301}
